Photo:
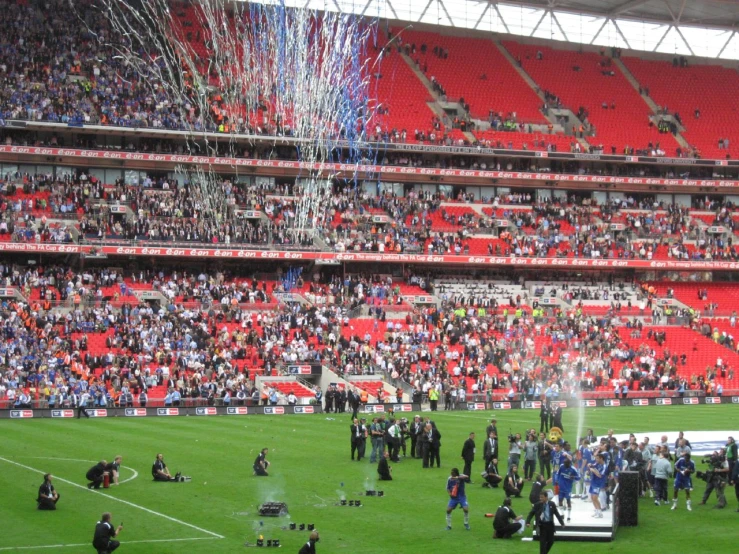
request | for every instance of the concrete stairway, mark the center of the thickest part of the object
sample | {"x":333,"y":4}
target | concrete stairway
{"x":554,"y":112}
{"x":651,"y":103}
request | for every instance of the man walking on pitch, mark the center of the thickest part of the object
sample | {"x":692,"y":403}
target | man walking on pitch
{"x":468,"y":454}
{"x":457,"y":497}
{"x":545,"y":511}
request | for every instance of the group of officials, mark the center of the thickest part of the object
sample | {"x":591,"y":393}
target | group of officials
{"x":390,"y":436}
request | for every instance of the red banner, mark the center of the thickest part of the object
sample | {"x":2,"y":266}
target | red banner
{"x":361,"y":168}
{"x":185,"y":252}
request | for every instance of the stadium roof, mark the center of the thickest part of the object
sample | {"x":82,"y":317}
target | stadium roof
{"x":719,"y":13}
{"x":704,"y":28}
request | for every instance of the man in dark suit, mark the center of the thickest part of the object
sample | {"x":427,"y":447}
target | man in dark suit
{"x":544,"y":417}
{"x":545,"y":511}
{"x":416,"y":428}
{"x":435,"y":450}
{"x":557,"y":418}
{"x":468,"y":454}
{"x":424,"y":439}
{"x":492,"y":428}
{"x":358,"y":438}
{"x":383,"y":469}
{"x":490,"y":448}
{"x":353,"y":398}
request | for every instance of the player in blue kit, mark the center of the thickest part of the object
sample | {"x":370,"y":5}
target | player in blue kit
{"x":598,"y":482}
{"x":557,"y":457}
{"x":585,"y":457}
{"x":684,"y":468}
{"x":457,"y":497}
{"x":567,"y":476}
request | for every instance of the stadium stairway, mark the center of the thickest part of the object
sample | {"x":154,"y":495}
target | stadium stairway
{"x":435,"y":106}
{"x":552,"y":116}
{"x":651,"y":103}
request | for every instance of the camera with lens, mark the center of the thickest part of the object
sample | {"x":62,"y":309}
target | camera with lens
{"x":512,"y":438}
{"x":713,"y":461}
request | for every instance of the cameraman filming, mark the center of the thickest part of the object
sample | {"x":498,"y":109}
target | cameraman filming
{"x":716,"y":477}
{"x":514,"y":450}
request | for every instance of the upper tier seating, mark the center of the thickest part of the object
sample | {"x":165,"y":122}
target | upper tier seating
{"x":708,"y":88}
{"x":461,"y":74}
{"x":627,"y":124}
{"x":399,"y":91}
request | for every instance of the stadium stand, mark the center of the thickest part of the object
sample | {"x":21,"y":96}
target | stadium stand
{"x":588,"y":80}
{"x":701,"y":95}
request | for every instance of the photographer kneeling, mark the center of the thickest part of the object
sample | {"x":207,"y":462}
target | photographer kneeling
{"x":715,"y":477}
{"x":47,"y":495}
{"x":491,"y":475}
{"x":513,"y":484}
{"x":160,"y":472}
{"x":261,"y":464}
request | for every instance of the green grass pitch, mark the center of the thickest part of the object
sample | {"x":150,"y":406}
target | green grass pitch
{"x":310,"y":461}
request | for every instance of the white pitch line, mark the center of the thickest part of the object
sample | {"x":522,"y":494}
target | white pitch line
{"x":126,"y":502}
{"x":135,"y":473}
{"x":88,"y":544}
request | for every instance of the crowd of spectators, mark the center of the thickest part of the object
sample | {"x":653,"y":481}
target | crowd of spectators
{"x":86,"y":331}
{"x":78,"y":208}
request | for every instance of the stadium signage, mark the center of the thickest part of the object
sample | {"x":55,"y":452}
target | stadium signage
{"x":501,"y":405}
{"x":21,"y":414}
{"x":206,"y":411}
{"x":97,"y":413}
{"x":474,"y":406}
{"x":686,"y":265}
{"x":611,"y":402}
{"x":713,"y":400}
{"x":640,"y":402}
{"x":328,"y":168}
{"x":692,"y":400}
{"x":303,"y":409}
{"x":664,"y":401}
{"x":7,"y":292}
{"x":403,"y":407}
{"x":237,"y":410}
{"x":168,"y":411}
{"x":371,"y":409}
{"x":62,"y":413}
{"x":559,"y":403}
{"x":535,"y":405}
{"x":274,"y":410}
{"x":305,"y":369}
{"x":588,"y":403}
{"x":135,"y":412}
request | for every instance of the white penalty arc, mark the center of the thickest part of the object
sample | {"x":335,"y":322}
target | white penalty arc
{"x":116,"y":499}
{"x":134,"y":476}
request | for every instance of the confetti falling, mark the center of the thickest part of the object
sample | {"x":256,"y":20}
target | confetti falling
{"x":257,"y":69}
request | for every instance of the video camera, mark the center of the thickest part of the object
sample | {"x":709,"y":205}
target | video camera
{"x":512,"y":438}
{"x":714,"y":461}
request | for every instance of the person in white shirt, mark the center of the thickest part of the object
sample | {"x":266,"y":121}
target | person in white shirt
{"x":84,"y":398}
{"x":292,"y":399}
